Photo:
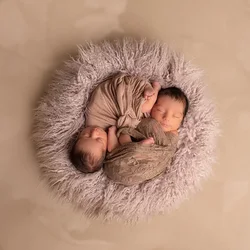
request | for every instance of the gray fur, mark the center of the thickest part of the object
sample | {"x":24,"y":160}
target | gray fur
{"x":59,"y":117}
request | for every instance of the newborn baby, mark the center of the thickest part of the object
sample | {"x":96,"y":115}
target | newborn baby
{"x":90,"y":149}
{"x":130,"y":162}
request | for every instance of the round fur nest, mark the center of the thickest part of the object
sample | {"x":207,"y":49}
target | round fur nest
{"x":60,"y":115}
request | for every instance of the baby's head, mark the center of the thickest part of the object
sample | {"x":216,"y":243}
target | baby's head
{"x":89,"y":151}
{"x":170,"y":108}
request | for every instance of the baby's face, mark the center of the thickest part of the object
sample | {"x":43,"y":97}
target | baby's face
{"x":168,"y":112}
{"x":93,"y":139}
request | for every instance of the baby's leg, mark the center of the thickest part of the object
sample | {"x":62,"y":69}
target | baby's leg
{"x":112,"y":139}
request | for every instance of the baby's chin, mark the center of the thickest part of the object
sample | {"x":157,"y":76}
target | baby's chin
{"x":167,"y":129}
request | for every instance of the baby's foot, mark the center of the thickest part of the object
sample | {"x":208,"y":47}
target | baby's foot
{"x":147,"y":141}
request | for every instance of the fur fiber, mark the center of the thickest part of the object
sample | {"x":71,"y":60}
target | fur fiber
{"x":60,"y":115}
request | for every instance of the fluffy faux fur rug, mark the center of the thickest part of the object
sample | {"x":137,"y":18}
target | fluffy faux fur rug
{"x":59,"y":117}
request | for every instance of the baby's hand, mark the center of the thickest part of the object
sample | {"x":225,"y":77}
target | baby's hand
{"x":112,"y":130}
{"x":151,"y":90}
{"x":150,"y":94}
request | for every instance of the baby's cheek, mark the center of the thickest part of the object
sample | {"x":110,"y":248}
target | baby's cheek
{"x":152,"y":114}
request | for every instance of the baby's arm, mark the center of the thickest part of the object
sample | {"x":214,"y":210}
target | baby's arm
{"x":124,"y":139}
{"x":112,"y":139}
{"x":150,"y":94}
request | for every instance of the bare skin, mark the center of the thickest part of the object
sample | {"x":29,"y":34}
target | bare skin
{"x":169,"y":113}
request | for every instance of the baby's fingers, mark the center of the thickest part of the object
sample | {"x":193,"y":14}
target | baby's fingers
{"x":112,"y":129}
{"x":149,"y":91}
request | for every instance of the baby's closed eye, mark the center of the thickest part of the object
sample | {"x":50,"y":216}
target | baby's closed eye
{"x":178,"y":116}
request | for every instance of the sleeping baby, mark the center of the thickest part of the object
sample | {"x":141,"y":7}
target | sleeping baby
{"x":123,"y":102}
{"x":131,"y":162}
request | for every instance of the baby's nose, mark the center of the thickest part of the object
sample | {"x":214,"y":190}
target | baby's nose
{"x":166,"y":117}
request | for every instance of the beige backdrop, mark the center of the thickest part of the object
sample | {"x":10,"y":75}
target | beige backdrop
{"x":36,"y":35}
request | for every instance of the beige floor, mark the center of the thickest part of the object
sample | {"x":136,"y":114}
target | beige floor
{"x":35,"y":35}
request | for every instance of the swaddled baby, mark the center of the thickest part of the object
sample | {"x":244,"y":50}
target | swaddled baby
{"x":120,"y":102}
{"x":133,"y":163}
